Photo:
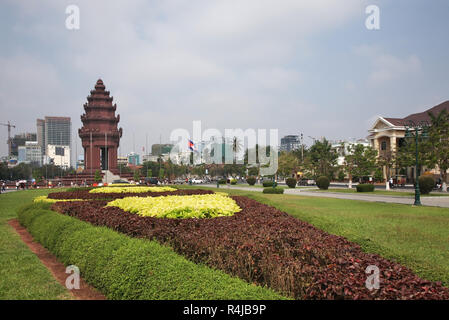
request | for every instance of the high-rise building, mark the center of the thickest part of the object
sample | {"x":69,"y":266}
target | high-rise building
{"x":30,"y":153}
{"x":54,"y":133}
{"x":40,"y":125}
{"x":58,"y":131}
{"x":19,"y":141}
{"x":290,"y":143}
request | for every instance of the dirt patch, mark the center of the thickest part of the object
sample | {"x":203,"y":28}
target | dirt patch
{"x":57,"y":269}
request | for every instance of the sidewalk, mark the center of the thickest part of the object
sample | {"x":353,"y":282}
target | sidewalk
{"x":426,"y":201}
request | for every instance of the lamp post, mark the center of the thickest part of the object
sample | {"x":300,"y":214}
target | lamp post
{"x":420,"y":130}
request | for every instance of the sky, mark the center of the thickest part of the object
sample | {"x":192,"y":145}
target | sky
{"x":308,"y":67}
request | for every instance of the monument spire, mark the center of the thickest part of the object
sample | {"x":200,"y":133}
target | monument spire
{"x":99,"y":134}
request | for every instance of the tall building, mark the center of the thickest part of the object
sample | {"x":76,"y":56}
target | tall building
{"x":58,"y":131}
{"x":19,"y":141}
{"x":54,"y":131}
{"x":60,"y":155}
{"x":40,"y":125}
{"x":290,"y":143}
{"x":30,"y":153}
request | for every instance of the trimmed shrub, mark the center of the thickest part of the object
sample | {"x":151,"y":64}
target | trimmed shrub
{"x":291,"y":182}
{"x":269,"y":183}
{"x":323,"y":182}
{"x":273,"y":190}
{"x":251,"y":181}
{"x":426,"y":184}
{"x":222,"y":181}
{"x":366,"y":187}
{"x":233,"y":181}
{"x":127,"y":268}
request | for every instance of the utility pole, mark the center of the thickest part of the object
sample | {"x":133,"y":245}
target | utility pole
{"x":9,"y":125}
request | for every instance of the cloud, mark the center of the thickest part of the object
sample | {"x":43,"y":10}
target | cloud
{"x":229,"y":63}
{"x":387,"y":67}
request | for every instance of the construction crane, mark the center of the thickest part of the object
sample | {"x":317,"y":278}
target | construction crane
{"x":9,"y":125}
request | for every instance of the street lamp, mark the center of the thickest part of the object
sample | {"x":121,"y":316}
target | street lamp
{"x":420,"y":130}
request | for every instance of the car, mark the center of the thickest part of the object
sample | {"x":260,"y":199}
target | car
{"x":152,"y":181}
{"x":195,"y":180}
{"x":120,"y":181}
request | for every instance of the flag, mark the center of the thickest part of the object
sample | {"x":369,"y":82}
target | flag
{"x":191,"y":145}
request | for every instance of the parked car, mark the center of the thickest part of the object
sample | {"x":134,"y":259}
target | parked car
{"x":306,"y":182}
{"x":153,"y":180}
{"x":119,"y":181}
{"x":196,"y":180}
{"x":179,"y":181}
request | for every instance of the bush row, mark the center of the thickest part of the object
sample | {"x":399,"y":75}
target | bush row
{"x":125,"y":268}
{"x":269,"y":183}
{"x":365,"y":187}
{"x":272,"y":190}
{"x":266,"y":246}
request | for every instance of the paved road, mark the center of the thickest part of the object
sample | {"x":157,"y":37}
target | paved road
{"x":442,"y":201}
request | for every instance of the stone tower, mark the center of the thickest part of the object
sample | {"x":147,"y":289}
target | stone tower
{"x":99,"y":134}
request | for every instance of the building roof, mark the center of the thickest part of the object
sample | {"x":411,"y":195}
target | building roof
{"x":421,"y":116}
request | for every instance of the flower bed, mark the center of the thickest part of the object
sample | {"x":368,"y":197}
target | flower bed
{"x":125,"y":268}
{"x":194,"y":206}
{"x":131,"y":189}
{"x":266,"y":246}
{"x":86,"y":195}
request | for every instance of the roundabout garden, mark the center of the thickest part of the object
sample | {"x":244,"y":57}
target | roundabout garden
{"x":168,"y":243}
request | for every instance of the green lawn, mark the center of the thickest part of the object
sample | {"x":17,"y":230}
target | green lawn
{"x":417,"y":237}
{"x":385,"y":192}
{"x":22,"y":274}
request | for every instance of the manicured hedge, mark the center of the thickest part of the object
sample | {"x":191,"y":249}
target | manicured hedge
{"x":251,"y":181}
{"x":365,"y":187}
{"x":269,"y":184}
{"x":233,"y":181}
{"x":323,"y":182}
{"x":222,"y":181}
{"x":291,"y":182}
{"x":426,"y":184}
{"x":126,"y":268}
{"x":273,"y":190}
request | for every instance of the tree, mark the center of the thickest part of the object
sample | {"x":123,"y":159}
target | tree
{"x":97,"y":176}
{"x":287,"y":164}
{"x":136,"y":175}
{"x":359,"y":161}
{"x":322,"y":158}
{"x":438,"y":143}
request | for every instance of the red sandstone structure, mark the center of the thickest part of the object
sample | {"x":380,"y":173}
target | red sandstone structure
{"x":99,"y":134}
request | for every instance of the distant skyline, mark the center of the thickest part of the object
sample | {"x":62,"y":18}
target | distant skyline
{"x":308,"y":67}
